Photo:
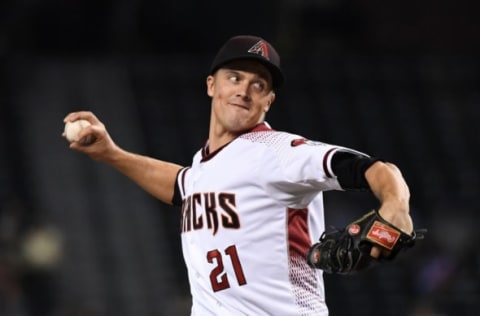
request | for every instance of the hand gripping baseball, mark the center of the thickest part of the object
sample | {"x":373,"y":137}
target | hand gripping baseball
{"x":347,"y":250}
{"x":93,"y":139}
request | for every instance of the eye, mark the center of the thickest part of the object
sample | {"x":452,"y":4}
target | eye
{"x":259,"y":86}
{"x":233,"y":77}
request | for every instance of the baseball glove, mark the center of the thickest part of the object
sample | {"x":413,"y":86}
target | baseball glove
{"x":347,"y":250}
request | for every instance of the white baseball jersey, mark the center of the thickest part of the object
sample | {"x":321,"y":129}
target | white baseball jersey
{"x":250,"y":212}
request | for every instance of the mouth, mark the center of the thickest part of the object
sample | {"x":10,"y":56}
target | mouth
{"x":240,"y":105}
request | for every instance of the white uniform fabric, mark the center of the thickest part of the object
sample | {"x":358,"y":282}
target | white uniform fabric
{"x":250,"y":212}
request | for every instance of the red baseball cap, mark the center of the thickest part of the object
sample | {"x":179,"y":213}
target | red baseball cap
{"x":250,"y":47}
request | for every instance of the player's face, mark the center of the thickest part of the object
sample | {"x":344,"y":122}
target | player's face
{"x":241,"y":95}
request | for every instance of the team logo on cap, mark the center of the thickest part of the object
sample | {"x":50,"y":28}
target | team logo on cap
{"x":260,"y":48}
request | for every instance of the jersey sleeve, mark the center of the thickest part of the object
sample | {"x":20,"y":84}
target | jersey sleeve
{"x":350,"y":167}
{"x":179,"y":192}
{"x":309,"y":163}
{"x":305,"y":167}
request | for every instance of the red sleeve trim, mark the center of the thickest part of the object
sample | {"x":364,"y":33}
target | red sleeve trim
{"x":179,"y":192}
{"x":326,"y":160}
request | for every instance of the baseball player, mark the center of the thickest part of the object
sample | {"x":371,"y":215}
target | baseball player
{"x":251,"y":201}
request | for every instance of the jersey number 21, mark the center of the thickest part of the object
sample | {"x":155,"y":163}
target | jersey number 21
{"x":218,"y":277}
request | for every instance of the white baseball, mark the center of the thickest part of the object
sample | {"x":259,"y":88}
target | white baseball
{"x":73,"y":128}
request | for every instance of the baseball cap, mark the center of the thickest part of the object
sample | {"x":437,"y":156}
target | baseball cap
{"x":250,"y":47}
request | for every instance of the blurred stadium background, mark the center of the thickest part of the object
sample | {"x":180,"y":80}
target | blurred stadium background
{"x":399,"y":80}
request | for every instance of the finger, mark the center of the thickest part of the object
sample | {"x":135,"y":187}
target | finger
{"x":90,"y":134}
{"x":82,"y":144}
{"x":375,"y":252}
{"x":81,"y":115}
{"x":70,"y":117}
{"x":87,"y":140}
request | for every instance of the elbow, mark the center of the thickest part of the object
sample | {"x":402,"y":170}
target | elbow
{"x":388,"y":184}
{"x":405,"y":191}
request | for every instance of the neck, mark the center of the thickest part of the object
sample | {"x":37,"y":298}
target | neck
{"x":219,"y":138}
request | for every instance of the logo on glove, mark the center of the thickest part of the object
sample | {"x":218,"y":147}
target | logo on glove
{"x":353,"y":230}
{"x":383,"y":235}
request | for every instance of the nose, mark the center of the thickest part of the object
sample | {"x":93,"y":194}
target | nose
{"x":243,"y":90}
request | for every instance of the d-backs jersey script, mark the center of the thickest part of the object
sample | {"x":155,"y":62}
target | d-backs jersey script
{"x":250,"y":212}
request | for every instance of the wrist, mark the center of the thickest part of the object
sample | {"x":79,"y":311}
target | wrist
{"x":398,"y":215}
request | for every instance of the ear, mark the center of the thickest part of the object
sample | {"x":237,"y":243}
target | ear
{"x":270,"y":101}
{"x":210,"y":85}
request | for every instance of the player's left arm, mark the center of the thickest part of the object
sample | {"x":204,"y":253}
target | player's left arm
{"x":378,"y":234}
{"x":387,"y":183}
{"x":357,"y":171}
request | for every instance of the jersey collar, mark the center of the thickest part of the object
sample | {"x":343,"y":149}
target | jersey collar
{"x":207,"y":155}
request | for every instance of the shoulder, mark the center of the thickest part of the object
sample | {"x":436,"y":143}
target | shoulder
{"x":286,"y":141}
